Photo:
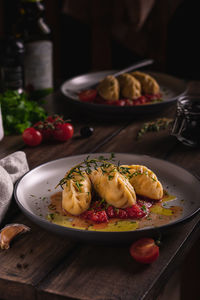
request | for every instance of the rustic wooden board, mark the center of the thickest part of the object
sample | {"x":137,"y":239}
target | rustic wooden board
{"x":77,"y":145}
{"x":60,"y":269}
{"x":10,"y":144}
{"x":118,"y":277}
{"x":158,"y":144}
{"x":103,"y":272}
{"x":186,"y":157}
{"x":23,"y":274}
{"x":31,"y":257}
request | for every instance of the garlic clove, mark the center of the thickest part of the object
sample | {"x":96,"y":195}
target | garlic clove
{"x":9,"y":232}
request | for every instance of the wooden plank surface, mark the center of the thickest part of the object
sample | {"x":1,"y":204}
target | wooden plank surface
{"x":123,"y":278}
{"x":21,"y":270}
{"x":30,"y":258}
{"x":104,"y":272}
{"x":60,"y":269}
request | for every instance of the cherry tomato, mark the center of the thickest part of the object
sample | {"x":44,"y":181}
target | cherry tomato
{"x":121,"y":102}
{"x":63,"y":132}
{"x":144,"y":250}
{"x":32,"y":137}
{"x":54,"y":118}
{"x":88,"y":95}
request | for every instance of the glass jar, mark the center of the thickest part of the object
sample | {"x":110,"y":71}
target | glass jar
{"x":186,"y":126}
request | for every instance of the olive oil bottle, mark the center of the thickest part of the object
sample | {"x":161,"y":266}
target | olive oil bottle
{"x":36,"y":34}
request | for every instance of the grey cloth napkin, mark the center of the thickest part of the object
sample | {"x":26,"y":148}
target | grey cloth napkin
{"x":12,"y":167}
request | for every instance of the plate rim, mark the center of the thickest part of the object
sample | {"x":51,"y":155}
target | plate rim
{"x":94,"y":105}
{"x":90,"y":232}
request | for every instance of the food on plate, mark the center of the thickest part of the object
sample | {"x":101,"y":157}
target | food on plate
{"x":148,"y":83}
{"x":144,"y":181}
{"x":99,"y":194}
{"x":9,"y":232}
{"x":88,"y":95}
{"x":108,"y":88}
{"x":113,"y":187}
{"x":144,"y":250}
{"x":130,"y":87}
{"x":76,"y":195}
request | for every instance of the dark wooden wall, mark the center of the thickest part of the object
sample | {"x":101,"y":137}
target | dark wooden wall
{"x":74,"y":43}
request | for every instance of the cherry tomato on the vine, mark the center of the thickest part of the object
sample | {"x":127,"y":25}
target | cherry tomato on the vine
{"x":63,"y":132}
{"x":144,"y":250}
{"x":31,"y":137}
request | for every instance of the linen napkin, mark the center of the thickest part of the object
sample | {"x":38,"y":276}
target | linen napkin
{"x":12,"y":167}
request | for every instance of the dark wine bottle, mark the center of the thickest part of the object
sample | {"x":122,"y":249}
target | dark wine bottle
{"x":11,"y":64}
{"x":36,"y":34}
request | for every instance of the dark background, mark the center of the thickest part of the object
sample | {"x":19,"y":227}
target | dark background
{"x":73,"y":52}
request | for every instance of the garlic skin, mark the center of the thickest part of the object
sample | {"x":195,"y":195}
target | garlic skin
{"x":9,"y":232}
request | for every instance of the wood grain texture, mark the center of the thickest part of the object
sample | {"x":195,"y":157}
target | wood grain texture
{"x":30,"y":258}
{"x":99,"y":272}
{"x":10,"y":144}
{"x":57,"y":268}
{"x":157,"y":144}
{"x":118,"y":277}
{"x":77,"y":145}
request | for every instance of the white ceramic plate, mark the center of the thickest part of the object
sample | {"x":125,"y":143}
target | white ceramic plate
{"x":33,"y":191}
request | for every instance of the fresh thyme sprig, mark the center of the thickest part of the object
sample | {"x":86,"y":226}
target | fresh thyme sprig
{"x":107,"y":166}
{"x":157,"y":125}
{"x":87,"y":166}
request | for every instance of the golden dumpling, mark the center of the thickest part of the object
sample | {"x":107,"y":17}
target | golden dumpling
{"x":129,"y":86}
{"x":113,"y":187}
{"x":108,"y":88}
{"x":144,"y":182}
{"x":148,"y":83}
{"x":76,"y":195}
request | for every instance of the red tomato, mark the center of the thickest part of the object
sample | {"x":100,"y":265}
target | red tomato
{"x":144,"y":250}
{"x":63,"y":132}
{"x":88,"y":95}
{"x":32,"y":137}
{"x":54,"y":118}
{"x":121,"y":102}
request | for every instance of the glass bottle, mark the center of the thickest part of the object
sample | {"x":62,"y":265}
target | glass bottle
{"x":36,"y":34}
{"x":11,"y":64}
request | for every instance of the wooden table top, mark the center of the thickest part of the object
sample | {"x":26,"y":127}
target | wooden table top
{"x":41,"y":265}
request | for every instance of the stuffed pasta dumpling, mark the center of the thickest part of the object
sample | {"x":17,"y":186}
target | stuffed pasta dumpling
{"x":76,"y":195}
{"x":108,"y":88}
{"x":148,"y":83}
{"x":113,"y":187}
{"x":130,"y":87}
{"x":144,"y":182}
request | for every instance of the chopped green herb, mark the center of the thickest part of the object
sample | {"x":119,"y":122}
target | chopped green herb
{"x":157,"y":125}
{"x":50,"y":217}
{"x":78,"y":185}
{"x":143,"y":207}
{"x":19,"y":112}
